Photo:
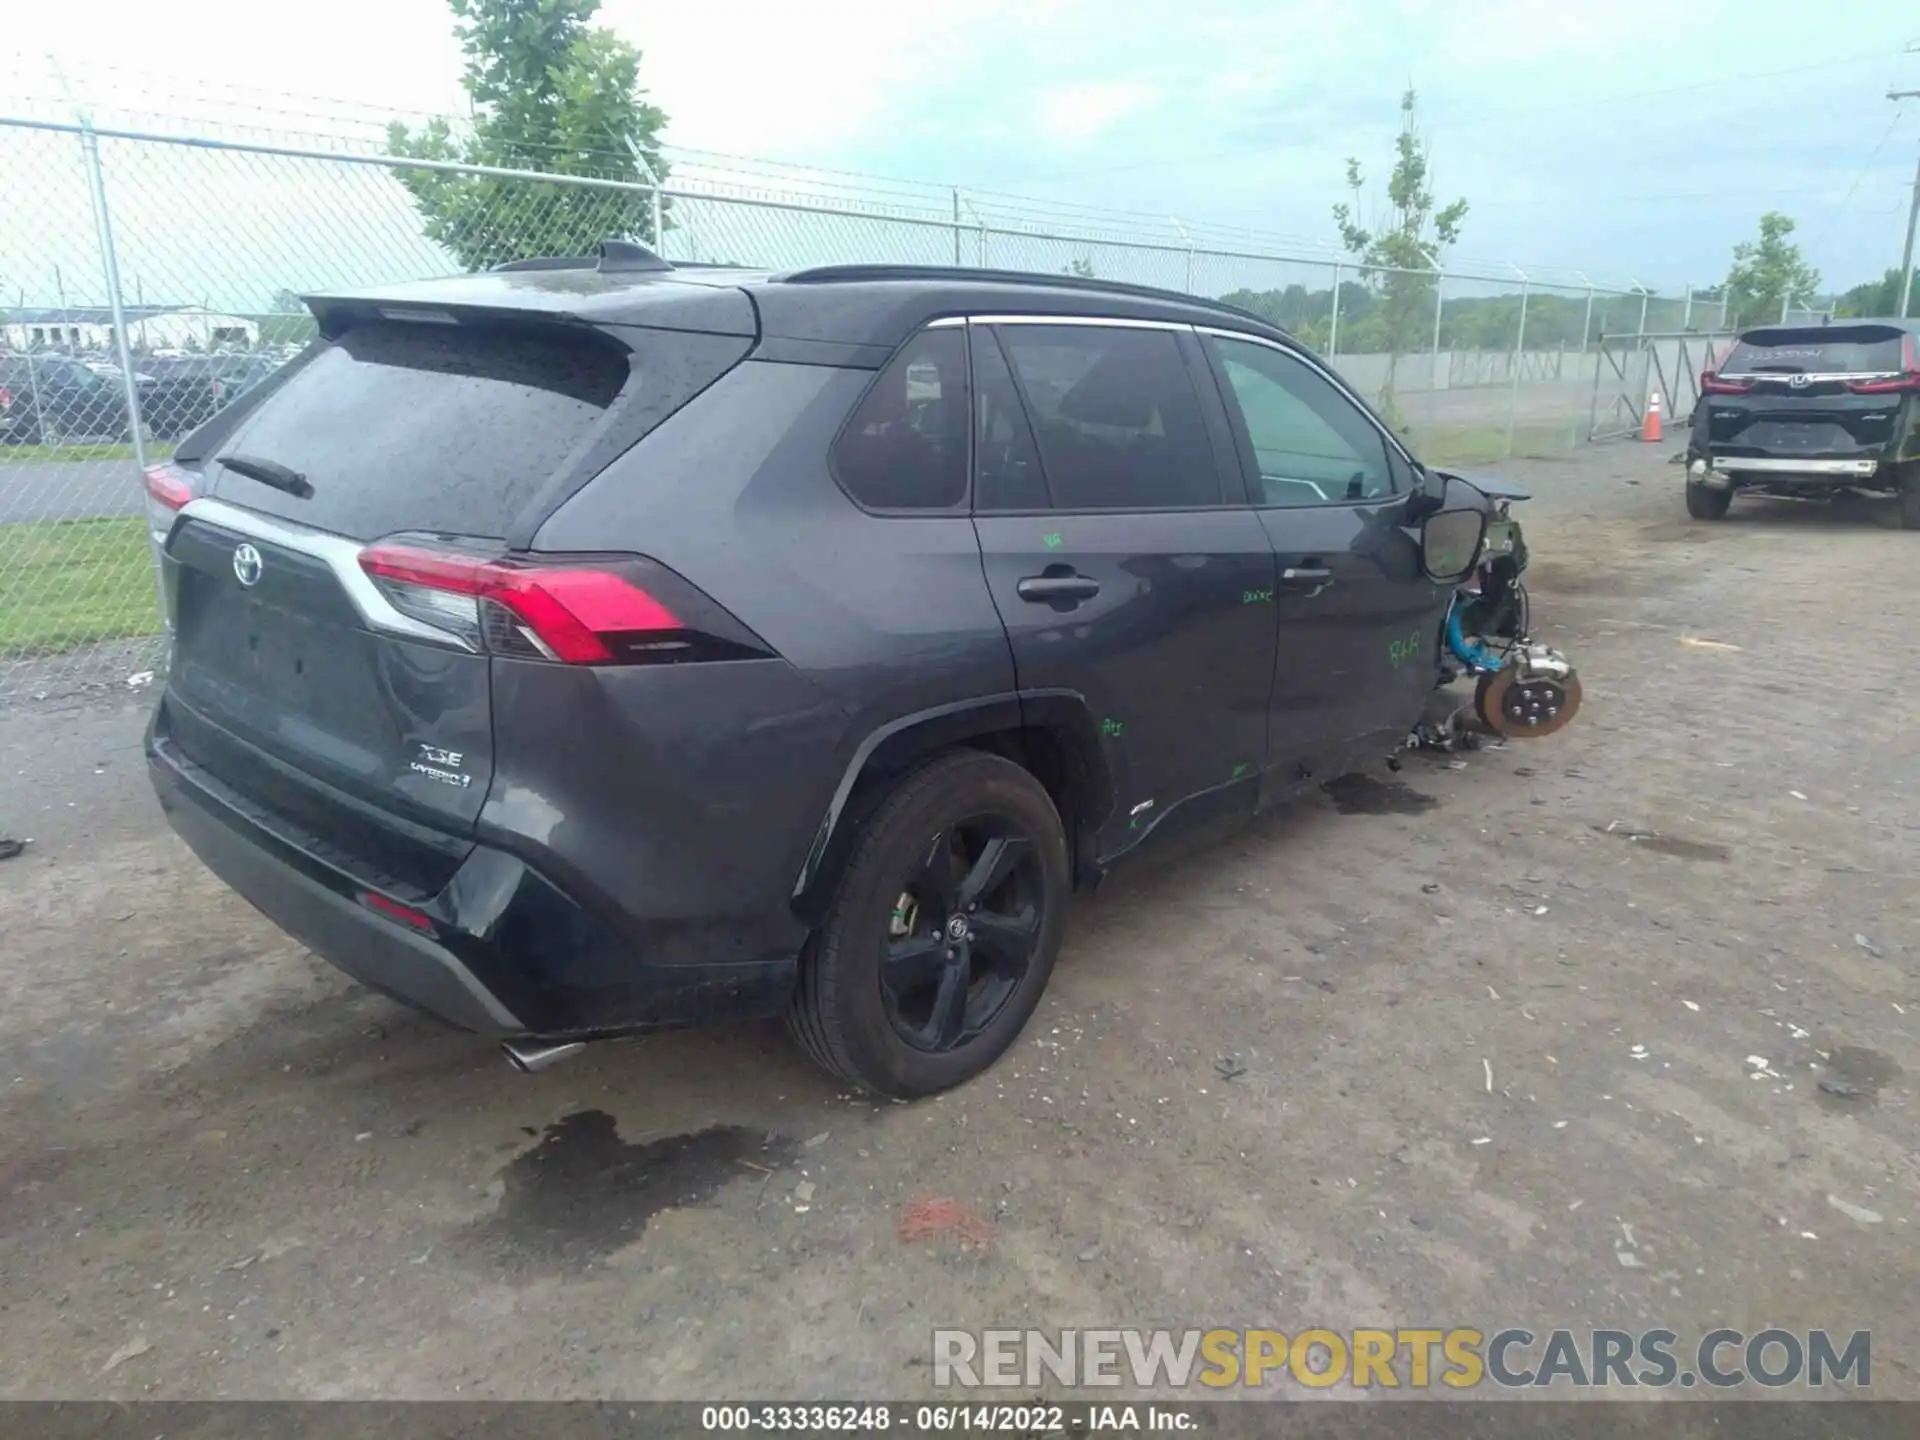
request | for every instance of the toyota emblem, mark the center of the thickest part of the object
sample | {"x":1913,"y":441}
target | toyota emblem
{"x":246,"y":565}
{"x":956,"y":928}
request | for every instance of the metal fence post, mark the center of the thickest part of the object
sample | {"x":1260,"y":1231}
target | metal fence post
{"x":1439,"y":300}
{"x":1686,"y":316}
{"x":123,"y":347}
{"x":1333,"y":327}
{"x":1519,"y":354}
{"x":1586,"y":326}
{"x":956,"y":227}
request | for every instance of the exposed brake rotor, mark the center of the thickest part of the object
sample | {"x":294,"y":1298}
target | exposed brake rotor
{"x":1535,"y":693}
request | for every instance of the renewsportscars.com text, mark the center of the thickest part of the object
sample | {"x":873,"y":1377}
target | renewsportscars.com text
{"x":1451,"y":1359}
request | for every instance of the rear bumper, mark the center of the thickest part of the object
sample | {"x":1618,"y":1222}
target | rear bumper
{"x":1786,"y":474}
{"x":1823,"y":471}
{"x":501,"y":951}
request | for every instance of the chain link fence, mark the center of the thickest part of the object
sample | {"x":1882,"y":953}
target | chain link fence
{"x":154,"y":277}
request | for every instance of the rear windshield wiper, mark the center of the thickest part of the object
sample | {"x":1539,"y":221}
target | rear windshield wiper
{"x":269,"y":472}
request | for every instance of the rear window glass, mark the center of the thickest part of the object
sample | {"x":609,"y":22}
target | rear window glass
{"x":905,"y":447}
{"x":1828,"y":351}
{"x":426,"y":427}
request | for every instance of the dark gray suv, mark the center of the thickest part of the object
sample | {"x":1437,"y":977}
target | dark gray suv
{"x":598,"y":645}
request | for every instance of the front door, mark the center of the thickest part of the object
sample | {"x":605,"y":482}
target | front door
{"x":1359,"y":622}
{"x":1122,"y":569}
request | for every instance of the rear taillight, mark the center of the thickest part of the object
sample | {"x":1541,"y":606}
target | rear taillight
{"x":1894,"y":384}
{"x":168,"y":487}
{"x":6,"y":398}
{"x":168,"y":491}
{"x":1712,"y":384}
{"x":575,"y":611}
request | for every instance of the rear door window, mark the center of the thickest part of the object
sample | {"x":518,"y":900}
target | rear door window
{"x":905,"y":446}
{"x":427,"y":427}
{"x":1116,"y":416}
{"x":1827,"y":350}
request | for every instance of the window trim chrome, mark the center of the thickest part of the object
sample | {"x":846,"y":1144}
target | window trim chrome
{"x":337,"y":553}
{"x":1100,"y":322}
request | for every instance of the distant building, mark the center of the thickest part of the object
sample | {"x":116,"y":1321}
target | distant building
{"x":149,"y":328}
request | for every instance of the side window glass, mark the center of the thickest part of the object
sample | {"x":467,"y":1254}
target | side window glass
{"x":1006,"y":466}
{"x":1116,"y":417}
{"x":1312,"y":444}
{"x":905,"y":448}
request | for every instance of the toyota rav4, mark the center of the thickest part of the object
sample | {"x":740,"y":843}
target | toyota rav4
{"x":598,"y":645}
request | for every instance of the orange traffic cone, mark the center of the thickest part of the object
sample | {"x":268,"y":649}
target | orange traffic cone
{"x":1650,"y":427}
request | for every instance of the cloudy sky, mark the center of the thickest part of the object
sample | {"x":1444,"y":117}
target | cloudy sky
{"x":1625,"y":138}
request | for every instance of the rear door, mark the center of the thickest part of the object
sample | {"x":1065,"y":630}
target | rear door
{"x":294,"y":660}
{"x":1126,"y":569}
{"x":1359,"y":622}
{"x":1839,"y":391}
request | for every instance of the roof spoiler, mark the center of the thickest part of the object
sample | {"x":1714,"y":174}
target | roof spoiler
{"x":613,"y":256}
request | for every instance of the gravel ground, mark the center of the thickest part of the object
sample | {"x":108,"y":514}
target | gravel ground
{"x":1494,"y":1023}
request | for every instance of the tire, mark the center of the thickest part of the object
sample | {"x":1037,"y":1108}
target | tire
{"x":882,"y":952}
{"x":1706,"y":503}
{"x":1910,"y":495}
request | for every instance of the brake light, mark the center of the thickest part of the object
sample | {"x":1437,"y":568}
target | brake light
{"x":168,"y":487}
{"x":1892,"y":385}
{"x":394,"y":910}
{"x":575,"y":615}
{"x":1712,"y":384}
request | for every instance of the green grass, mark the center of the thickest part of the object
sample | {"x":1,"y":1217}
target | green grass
{"x":69,"y":582}
{"x":1469,"y":444}
{"x":40,"y":454}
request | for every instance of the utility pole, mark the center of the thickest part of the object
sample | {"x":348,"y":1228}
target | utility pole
{"x":1913,"y":217}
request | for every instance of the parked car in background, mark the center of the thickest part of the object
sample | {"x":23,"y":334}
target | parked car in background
{"x":604,"y":646}
{"x":1810,"y":411}
{"x":188,"y":390}
{"x":53,"y":399}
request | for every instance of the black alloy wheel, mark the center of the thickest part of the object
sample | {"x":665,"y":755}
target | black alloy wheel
{"x":962,"y":934}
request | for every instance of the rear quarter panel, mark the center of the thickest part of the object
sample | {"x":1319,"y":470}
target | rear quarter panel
{"x":874,"y":618}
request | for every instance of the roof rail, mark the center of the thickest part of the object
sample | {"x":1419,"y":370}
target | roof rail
{"x":835,"y":274}
{"x":613,"y":255}
{"x":547,"y":262}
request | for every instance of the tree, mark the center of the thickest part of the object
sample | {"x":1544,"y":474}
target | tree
{"x":551,"y":93}
{"x":1879,"y":298}
{"x":285,"y":302}
{"x":1400,"y":249}
{"x":1768,"y":274}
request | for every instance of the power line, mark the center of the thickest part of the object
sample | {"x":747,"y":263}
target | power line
{"x":1834,"y":215}
{"x":1443,"y":124}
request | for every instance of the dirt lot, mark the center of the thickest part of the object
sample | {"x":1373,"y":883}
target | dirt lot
{"x":1498,"y":1026}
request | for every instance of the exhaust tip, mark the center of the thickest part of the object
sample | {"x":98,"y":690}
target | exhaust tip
{"x":527,"y":1057}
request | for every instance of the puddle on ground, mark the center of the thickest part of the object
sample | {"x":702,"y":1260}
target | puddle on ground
{"x":1360,"y":794}
{"x":1669,"y":844}
{"x":1851,"y":1079}
{"x":583,"y":1192}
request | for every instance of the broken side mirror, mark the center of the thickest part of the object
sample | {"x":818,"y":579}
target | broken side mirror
{"x":1450,"y":544}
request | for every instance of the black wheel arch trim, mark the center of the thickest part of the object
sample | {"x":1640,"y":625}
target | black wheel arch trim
{"x":907,"y":739}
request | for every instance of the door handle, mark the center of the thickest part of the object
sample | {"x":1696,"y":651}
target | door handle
{"x":1310,"y":578}
{"x":1044,"y":589}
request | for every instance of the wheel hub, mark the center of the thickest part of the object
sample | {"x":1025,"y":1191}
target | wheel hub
{"x":1535,"y":693}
